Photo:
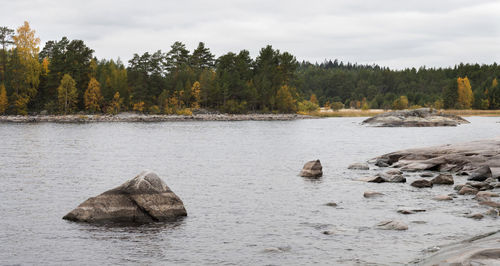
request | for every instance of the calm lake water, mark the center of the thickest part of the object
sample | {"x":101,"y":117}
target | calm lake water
{"x":239,"y":182}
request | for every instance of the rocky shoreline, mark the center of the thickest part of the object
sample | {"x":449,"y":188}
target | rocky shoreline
{"x":476,"y":161}
{"x":132,"y":117}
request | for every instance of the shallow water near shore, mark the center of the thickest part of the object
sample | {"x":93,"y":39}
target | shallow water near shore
{"x":239,"y":182}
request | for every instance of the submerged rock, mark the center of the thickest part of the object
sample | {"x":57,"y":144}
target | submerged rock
{"x":410,"y":211}
{"x":359,"y":166}
{"x":490,"y":203}
{"x":392,"y":225}
{"x":443,"y":179}
{"x":442,"y":198}
{"x":371,"y":194}
{"x":312,"y":169}
{"x":145,"y":198}
{"x":423,"y":117}
{"x":426,"y":175}
{"x":420,"y":183}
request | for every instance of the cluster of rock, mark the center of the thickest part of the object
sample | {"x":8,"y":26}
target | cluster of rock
{"x":132,"y":117}
{"x":478,"y":160}
{"x":423,"y":117}
{"x":145,"y":198}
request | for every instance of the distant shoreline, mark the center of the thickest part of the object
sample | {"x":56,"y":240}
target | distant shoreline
{"x":132,"y":117}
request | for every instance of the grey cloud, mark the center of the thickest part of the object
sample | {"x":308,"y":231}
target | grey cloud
{"x":390,"y":33}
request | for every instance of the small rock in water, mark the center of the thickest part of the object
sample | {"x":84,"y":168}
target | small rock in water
{"x":420,"y":183}
{"x":442,"y":198}
{"x":476,"y":216}
{"x":467,"y":190}
{"x":480,"y":185}
{"x":376,"y":179}
{"x":487,"y":194}
{"x":312,"y":169}
{"x":371,"y":194}
{"x":392,"y":225}
{"x":493,"y":212}
{"x":458,"y":187}
{"x":480,"y":174}
{"x":443,"y":179}
{"x":328,"y":232}
{"x":410,"y":211}
{"x":403,"y":211}
{"x":391,"y":176}
{"x":331,"y":204}
{"x":359,"y":166}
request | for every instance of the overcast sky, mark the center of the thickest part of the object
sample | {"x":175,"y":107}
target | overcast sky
{"x":394,"y":33}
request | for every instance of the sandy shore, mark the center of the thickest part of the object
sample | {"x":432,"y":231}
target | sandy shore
{"x":131,"y":117}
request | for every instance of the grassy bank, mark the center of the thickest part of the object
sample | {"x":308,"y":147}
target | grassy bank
{"x":345,"y":113}
{"x":473,"y":112}
{"x":372,"y":112}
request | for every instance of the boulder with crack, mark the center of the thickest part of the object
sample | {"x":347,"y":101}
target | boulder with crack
{"x":145,"y":198}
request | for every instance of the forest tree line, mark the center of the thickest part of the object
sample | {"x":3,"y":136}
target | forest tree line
{"x":65,"y":77}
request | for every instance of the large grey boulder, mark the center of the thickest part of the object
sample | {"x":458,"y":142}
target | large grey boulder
{"x":312,"y":169}
{"x":423,"y":117}
{"x":144,"y":198}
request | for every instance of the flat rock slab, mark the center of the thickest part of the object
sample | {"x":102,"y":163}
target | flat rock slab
{"x":482,"y":250}
{"x":469,"y":157}
{"x":145,"y":198}
{"x":423,"y":117}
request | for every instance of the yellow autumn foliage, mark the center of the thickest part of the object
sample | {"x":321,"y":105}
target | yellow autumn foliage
{"x":465,"y":96}
{"x":3,"y":99}
{"x":92,"y":97}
